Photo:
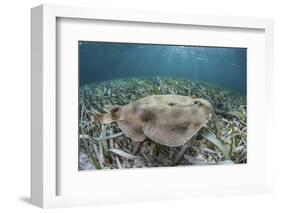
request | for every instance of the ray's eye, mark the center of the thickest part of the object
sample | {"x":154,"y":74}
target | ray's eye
{"x":197,"y":103}
{"x":171,"y":104}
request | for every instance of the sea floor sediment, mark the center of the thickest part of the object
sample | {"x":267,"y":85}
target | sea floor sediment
{"x":104,"y":146}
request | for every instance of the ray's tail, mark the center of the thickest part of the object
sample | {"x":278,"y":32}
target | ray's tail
{"x":109,"y":117}
{"x":102,"y":118}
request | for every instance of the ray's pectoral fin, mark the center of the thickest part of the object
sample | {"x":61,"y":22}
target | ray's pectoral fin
{"x":170,"y":135}
{"x":131,"y":130}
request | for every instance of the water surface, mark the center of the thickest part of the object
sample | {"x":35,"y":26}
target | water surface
{"x":101,"y":61}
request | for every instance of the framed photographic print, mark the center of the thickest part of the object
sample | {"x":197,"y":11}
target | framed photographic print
{"x":149,"y":106}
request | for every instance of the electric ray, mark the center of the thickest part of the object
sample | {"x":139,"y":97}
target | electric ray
{"x":170,"y":120}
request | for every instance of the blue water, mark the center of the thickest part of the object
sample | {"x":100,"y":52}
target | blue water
{"x":226,"y":67}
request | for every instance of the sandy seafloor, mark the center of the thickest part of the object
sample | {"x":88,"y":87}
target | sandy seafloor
{"x":106,"y":147}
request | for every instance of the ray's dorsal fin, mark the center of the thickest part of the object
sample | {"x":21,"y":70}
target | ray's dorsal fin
{"x":109,"y":108}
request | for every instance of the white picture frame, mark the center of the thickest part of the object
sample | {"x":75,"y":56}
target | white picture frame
{"x":44,"y":150}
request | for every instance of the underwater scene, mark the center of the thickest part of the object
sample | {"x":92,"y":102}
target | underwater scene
{"x":156,"y":105}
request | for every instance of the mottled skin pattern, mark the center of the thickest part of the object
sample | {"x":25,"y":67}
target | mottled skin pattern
{"x":167,"y":119}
